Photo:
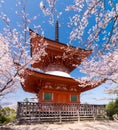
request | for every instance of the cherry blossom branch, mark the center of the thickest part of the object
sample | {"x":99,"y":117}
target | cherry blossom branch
{"x":18,"y":52}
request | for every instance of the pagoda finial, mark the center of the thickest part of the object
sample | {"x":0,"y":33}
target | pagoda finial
{"x":57,"y":31}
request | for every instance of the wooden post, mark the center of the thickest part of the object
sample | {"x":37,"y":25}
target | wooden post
{"x":78,"y":116}
{"x":60,"y":117}
{"x":94,"y":113}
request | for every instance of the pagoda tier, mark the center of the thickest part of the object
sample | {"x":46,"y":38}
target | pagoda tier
{"x":58,"y":89}
{"x":55,"y":84}
{"x":60,"y":57}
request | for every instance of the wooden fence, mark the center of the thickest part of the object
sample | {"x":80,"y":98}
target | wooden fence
{"x":31,"y":112}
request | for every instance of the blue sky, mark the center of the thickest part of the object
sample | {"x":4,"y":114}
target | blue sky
{"x":33,"y":9}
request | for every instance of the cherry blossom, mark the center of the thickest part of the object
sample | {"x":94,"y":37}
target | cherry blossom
{"x":6,"y":66}
{"x":94,"y":25}
{"x":15,"y":49}
{"x":104,"y":68}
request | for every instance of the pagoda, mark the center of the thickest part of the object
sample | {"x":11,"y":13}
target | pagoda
{"x":54,"y":84}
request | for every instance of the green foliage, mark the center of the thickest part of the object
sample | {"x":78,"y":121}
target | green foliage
{"x":112,"y":108}
{"x":4,"y":120}
{"x":7,"y":115}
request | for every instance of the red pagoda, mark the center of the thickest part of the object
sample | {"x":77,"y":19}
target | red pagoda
{"x":54,"y":84}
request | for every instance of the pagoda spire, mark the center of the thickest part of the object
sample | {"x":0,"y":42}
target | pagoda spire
{"x":57,"y":31}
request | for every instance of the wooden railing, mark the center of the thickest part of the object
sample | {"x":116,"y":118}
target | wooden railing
{"x":31,"y":112}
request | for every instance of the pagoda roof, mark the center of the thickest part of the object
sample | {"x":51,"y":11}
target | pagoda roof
{"x":58,"y":53}
{"x":33,"y":81}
